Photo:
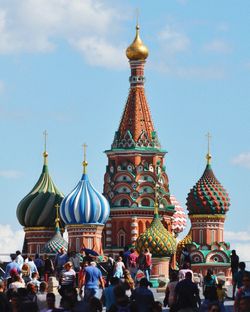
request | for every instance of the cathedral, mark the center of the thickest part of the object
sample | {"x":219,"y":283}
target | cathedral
{"x":136,"y":207}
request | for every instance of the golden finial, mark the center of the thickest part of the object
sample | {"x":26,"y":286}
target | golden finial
{"x":57,"y":220}
{"x":84,"y":163}
{"x":208,"y":156}
{"x":45,"y":154}
{"x":137,"y":50}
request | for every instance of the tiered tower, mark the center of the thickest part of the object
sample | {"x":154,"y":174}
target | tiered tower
{"x":135,"y":163}
{"x":85,"y":211}
{"x":208,"y":203}
{"x":37,"y":212}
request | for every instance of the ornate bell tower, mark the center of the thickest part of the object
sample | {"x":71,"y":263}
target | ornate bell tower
{"x":135,"y":163}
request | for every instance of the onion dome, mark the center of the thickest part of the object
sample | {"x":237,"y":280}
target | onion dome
{"x":179,"y":219}
{"x":37,"y":208}
{"x":84,"y":205}
{"x":208,"y":196}
{"x":157,"y":238}
{"x":137,"y":50}
{"x":57,"y":241}
{"x":182,"y":244}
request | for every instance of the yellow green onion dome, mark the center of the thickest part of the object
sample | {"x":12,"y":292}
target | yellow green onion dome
{"x":137,"y":50}
{"x":37,"y":208}
{"x":208,"y":196}
{"x":182,"y":244}
{"x":157,"y":239}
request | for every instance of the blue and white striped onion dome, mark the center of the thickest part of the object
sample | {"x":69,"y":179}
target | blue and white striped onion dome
{"x":84,"y":205}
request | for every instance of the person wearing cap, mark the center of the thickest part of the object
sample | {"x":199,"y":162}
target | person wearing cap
{"x":143,"y":297}
{"x":67,"y":278}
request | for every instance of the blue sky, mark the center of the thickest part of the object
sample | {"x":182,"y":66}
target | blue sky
{"x":64,"y":69}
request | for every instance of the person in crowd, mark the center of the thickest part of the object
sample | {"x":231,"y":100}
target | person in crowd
{"x":170,"y":290}
{"x":31,"y":292}
{"x":210,"y":285}
{"x":221,"y":295}
{"x":15,"y":302}
{"x":25,"y":273}
{"x":243,"y":291}
{"x":185,"y":256}
{"x":41,"y":295}
{"x":238,"y":277}
{"x":157,"y":306}
{"x":60,"y":260}
{"x":141,"y":261}
{"x":34,"y":280}
{"x":126,"y":254}
{"x":19,"y":259}
{"x":119,"y":268}
{"x":17,"y":283}
{"x":132,"y":262}
{"x":11,"y":265}
{"x":67,"y":278}
{"x":108,"y":296}
{"x":51,"y":301}
{"x":187,"y":294}
{"x":48,"y":267}
{"x":214,"y":307}
{"x":182,"y":273}
{"x":129,"y":283}
{"x":110,"y":269}
{"x":91,"y":279}
{"x":143,"y":296}
{"x":4,"y":303}
{"x":122,"y":302}
{"x":31,"y":263}
{"x":39,"y":265}
{"x":75,"y":260}
{"x":244,"y":304}
{"x":148,"y":263}
{"x":234,"y":260}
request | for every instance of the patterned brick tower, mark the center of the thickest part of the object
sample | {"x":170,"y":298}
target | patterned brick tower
{"x":208,"y":203}
{"x":36,"y":212}
{"x":135,"y":164}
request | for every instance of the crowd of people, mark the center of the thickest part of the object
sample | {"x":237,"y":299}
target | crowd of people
{"x":126,"y":286}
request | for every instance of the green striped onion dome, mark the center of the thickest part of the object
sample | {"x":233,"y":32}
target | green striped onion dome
{"x":38,"y":207}
{"x":56,"y":243}
{"x":157,"y":239}
{"x":208,"y":196}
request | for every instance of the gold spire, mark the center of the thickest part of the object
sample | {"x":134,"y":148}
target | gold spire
{"x":45,"y":154}
{"x":137,"y":50}
{"x":84,"y":163}
{"x":208,"y":156}
{"x":57,"y":220}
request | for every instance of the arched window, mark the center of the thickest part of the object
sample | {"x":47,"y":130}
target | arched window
{"x":147,"y":224}
{"x":145,"y":202}
{"x":201,"y":236}
{"x":124,"y":202}
{"x":77,"y":244}
{"x":121,"y":238}
{"x":140,"y":227}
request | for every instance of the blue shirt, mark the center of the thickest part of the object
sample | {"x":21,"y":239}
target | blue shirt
{"x":92,"y":277}
{"x":109,"y":296}
{"x":9,"y":267}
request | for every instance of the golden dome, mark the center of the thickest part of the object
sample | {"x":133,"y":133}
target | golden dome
{"x":137,"y":50}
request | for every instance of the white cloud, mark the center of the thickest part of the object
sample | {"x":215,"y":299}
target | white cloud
{"x":218,"y":46}
{"x":10,"y":241}
{"x":240,"y":241}
{"x":242,"y":160}
{"x":173,"y":40}
{"x":10,"y":174}
{"x":35,"y":26}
